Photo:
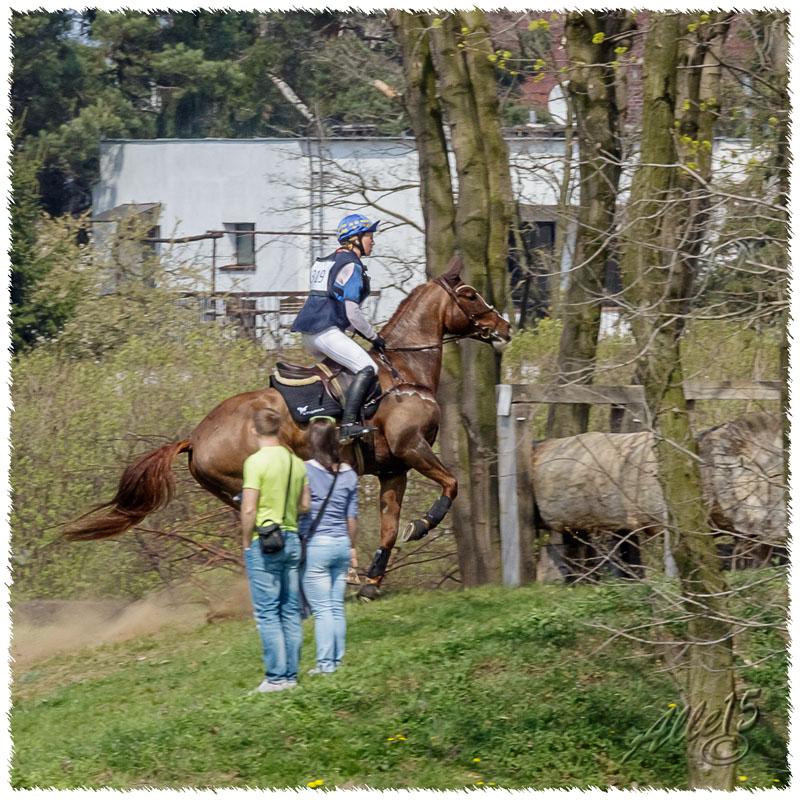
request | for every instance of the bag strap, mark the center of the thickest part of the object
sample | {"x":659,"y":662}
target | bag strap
{"x":313,"y":529}
{"x":288,"y":487}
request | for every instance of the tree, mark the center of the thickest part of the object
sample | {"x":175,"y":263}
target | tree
{"x":594,"y":41}
{"x":449,"y":73}
{"x":657,"y":265}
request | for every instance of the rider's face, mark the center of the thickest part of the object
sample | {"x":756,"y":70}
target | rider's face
{"x":367,"y":243}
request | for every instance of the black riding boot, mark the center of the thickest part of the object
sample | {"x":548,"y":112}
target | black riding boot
{"x":361,"y":386}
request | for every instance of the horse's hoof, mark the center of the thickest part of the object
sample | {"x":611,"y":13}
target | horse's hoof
{"x":368,"y":592}
{"x":414,"y":530}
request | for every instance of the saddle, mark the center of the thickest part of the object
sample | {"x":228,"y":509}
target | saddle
{"x":319,"y":390}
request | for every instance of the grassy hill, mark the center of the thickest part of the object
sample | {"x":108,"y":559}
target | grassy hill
{"x":484,"y":688}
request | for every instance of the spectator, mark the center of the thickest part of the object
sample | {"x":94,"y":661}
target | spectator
{"x":275,"y":491}
{"x":331,"y":550}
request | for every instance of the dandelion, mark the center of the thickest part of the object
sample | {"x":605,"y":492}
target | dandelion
{"x":315,"y":784}
{"x":743,"y":777}
{"x":476,"y":760}
{"x":671,"y":705}
{"x":491,"y":783}
{"x":401,"y":738}
{"x":390,"y":739}
{"x":479,"y":783}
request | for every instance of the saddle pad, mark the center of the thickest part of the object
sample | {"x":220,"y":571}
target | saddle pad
{"x":306,"y":401}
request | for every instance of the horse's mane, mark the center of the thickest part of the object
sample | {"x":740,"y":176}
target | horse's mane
{"x":452,"y":275}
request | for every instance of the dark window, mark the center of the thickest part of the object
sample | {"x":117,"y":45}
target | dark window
{"x":243,"y":242}
{"x":531,"y":288}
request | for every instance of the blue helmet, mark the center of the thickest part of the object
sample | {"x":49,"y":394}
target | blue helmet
{"x":354,"y":224}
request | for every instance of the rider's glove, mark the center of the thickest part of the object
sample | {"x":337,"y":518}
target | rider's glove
{"x":379,"y":343}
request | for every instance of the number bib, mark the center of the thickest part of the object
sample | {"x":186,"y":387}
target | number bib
{"x":320,"y":274}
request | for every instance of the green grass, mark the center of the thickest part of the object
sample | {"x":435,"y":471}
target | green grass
{"x":506,"y":676}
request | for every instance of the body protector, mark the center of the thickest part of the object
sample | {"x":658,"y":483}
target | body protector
{"x":335,"y":281}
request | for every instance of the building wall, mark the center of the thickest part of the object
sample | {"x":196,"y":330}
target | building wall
{"x":305,"y":186}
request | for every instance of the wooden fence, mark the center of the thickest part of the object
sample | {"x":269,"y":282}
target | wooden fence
{"x":514,"y":442}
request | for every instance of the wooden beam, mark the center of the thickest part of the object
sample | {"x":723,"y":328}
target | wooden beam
{"x":634,"y":395}
{"x":551,"y":393}
{"x":732,"y":390}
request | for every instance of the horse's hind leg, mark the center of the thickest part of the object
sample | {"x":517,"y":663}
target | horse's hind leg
{"x":393,"y":488}
{"x":214,"y":487}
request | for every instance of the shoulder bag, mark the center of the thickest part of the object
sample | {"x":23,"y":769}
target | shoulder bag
{"x":270,"y":536}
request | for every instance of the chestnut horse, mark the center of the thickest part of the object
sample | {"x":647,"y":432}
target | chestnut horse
{"x":407,"y":422}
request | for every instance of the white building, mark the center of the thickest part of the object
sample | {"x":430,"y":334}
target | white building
{"x":291,"y":193}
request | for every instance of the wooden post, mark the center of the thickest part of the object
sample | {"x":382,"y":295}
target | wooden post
{"x":507,"y":488}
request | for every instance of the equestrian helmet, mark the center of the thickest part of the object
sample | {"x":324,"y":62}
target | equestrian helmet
{"x":354,"y":225}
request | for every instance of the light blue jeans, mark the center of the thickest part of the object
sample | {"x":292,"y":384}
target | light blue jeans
{"x":274,"y":584}
{"x":324,"y":582}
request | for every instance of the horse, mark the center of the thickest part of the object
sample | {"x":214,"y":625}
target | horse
{"x":407,"y":422}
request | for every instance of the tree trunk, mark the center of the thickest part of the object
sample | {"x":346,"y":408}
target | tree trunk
{"x":591,"y":39}
{"x":657,"y":271}
{"x":478,"y":227}
{"x":469,"y":94}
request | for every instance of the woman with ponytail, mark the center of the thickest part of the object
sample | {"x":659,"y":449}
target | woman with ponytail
{"x":330,"y":547}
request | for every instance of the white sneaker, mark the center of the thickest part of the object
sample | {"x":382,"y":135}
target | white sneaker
{"x":287,"y":684}
{"x":271,"y":686}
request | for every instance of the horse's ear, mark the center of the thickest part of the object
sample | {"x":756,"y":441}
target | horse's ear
{"x":453,"y":272}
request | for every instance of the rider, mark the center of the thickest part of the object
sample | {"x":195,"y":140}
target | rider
{"x":339,"y":284}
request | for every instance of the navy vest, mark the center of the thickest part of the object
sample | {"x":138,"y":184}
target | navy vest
{"x":324,"y":306}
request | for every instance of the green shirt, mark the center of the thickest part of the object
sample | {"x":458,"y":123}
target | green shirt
{"x":268,"y":471}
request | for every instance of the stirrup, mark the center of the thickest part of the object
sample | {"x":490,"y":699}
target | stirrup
{"x":354,"y":430}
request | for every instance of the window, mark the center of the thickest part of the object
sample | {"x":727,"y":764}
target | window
{"x":244,"y":243}
{"x":530,"y":291}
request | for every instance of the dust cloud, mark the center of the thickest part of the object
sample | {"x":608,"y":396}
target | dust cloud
{"x":42,"y":628}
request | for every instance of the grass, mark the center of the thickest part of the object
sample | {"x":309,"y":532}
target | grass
{"x":480,"y":688}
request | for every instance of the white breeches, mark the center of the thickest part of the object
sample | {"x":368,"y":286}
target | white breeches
{"x":336,"y":344}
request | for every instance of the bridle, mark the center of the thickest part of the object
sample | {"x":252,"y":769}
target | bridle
{"x":484,"y":331}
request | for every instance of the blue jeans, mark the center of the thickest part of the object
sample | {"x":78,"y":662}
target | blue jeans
{"x":324,"y":582}
{"x":274,"y":583}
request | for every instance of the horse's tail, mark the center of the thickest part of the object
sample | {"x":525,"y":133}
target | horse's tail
{"x":145,"y":486}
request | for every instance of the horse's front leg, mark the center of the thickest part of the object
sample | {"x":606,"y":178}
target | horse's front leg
{"x":420,"y":456}
{"x":393,"y":488}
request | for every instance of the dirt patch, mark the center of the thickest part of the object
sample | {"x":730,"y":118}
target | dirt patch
{"x":42,"y":628}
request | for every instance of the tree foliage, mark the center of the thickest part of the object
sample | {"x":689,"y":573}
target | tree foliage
{"x":80,"y":77}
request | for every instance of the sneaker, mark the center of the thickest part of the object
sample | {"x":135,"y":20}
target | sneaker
{"x":289,"y":684}
{"x":320,"y":671}
{"x":271,"y":686}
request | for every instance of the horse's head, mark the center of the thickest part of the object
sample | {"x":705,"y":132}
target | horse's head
{"x":469,"y":315}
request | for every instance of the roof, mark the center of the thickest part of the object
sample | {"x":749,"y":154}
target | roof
{"x":124,"y":211}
